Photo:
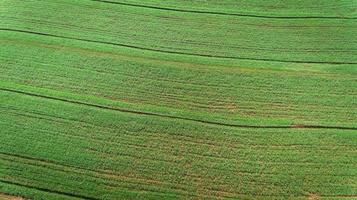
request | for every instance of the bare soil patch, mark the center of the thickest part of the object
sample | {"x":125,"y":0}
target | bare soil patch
{"x":9,"y":197}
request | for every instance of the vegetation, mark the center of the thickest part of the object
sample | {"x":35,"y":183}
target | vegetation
{"x":178,"y":99}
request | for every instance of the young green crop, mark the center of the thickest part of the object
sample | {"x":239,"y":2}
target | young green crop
{"x":98,"y":153}
{"x":126,"y":99}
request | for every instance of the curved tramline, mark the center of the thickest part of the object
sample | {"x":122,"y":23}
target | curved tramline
{"x":235,"y":94}
{"x":129,"y":99}
{"x":182,"y":118}
{"x":181,"y":53}
{"x":188,"y":33}
{"x":201,"y":151}
{"x":261,"y":9}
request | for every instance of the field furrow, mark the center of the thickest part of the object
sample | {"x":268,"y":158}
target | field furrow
{"x":199,"y":99}
{"x":109,"y":149}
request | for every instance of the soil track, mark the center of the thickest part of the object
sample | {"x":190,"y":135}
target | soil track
{"x":10,"y":197}
{"x":299,"y":126}
{"x":49,"y":191}
{"x":222,"y":13}
{"x":175,"y":52}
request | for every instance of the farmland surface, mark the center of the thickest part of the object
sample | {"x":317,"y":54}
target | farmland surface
{"x":173,"y":99}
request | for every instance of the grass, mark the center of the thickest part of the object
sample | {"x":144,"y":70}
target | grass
{"x":188,"y":33}
{"x":88,"y":151}
{"x":178,"y":100}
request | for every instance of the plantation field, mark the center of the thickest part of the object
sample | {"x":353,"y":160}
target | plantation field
{"x":129,"y":99}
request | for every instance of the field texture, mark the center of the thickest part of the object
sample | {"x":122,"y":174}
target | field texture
{"x":173,"y":99}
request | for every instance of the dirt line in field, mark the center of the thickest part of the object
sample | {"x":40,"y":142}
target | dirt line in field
{"x":10,"y":197}
{"x":301,"y":126}
{"x":105,"y":173}
{"x":181,"y":187}
{"x":113,"y":175}
{"x":176,"y":52}
{"x":97,"y":174}
{"x":222,"y":13}
{"x":48,"y":190}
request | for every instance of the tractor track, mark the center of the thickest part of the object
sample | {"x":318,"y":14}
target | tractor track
{"x":176,"y":52}
{"x":299,"y":126}
{"x":223,"y":13}
{"x":49,"y":190}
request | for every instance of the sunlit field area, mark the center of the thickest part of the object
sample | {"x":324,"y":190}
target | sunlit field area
{"x":175,"y":99}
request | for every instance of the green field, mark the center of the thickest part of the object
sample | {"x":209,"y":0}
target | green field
{"x":174,"y":99}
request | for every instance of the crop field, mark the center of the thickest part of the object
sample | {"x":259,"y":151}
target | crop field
{"x":174,"y":99}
